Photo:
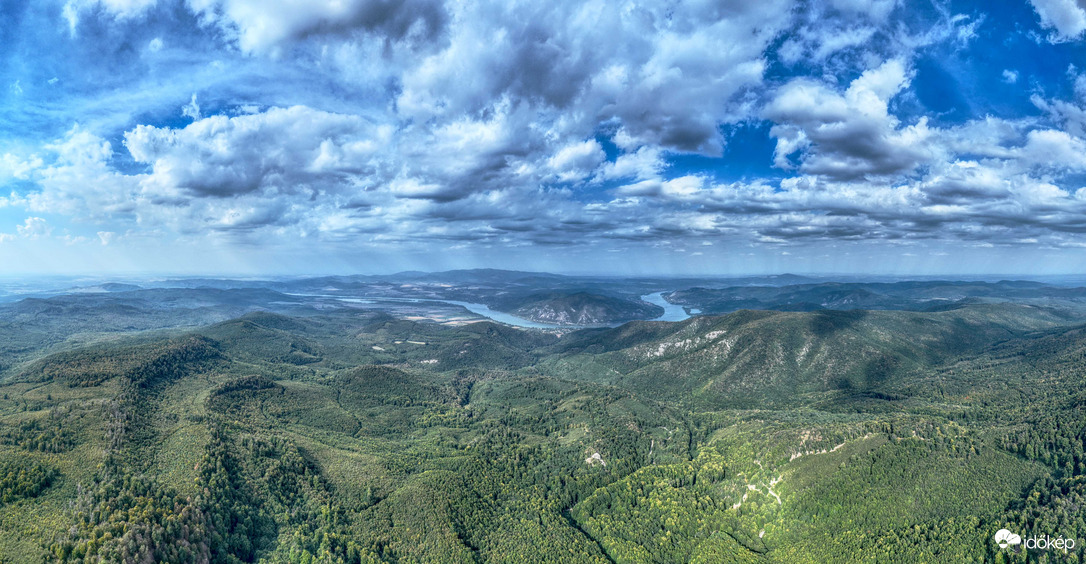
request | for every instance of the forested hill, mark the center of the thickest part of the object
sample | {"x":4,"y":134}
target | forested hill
{"x":778,"y":359}
{"x":582,"y":308}
{"x":853,"y":436}
{"x":916,"y":295}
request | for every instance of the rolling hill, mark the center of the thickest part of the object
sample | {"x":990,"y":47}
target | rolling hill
{"x":353,"y":436}
{"x":580,"y":308}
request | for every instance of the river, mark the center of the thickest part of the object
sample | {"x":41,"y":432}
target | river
{"x":477,"y":309}
{"x":672,"y":312}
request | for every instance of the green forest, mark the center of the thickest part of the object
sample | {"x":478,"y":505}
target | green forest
{"x":785,"y":437}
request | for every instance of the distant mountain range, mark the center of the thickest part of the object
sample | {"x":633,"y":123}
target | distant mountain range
{"x":578,"y":300}
{"x":906,"y":295}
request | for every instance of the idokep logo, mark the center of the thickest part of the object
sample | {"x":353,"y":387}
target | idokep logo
{"x":1006,"y":539}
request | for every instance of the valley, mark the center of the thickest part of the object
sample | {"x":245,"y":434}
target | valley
{"x":252,"y":424}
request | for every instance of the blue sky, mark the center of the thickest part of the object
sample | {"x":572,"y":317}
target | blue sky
{"x":726,"y":137}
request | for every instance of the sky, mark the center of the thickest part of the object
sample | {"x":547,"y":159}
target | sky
{"x":247,"y":137}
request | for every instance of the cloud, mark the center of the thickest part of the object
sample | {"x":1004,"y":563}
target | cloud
{"x":263,"y":26}
{"x":819,"y":43}
{"x":877,"y":10}
{"x":13,"y":167}
{"x":576,"y":161}
{"x":33,"y":228}
{"x":1066,"y":17}
{"x":838,"y":36}
{"x":192,"y":109}
{"x":1054,"y":149}
{"x":667,"y":76}
{"x":75,"y":178}
{"x":1070,"y":116}
{"x":963,"y":183}
{"x":850,"y":134}
{"x":423,"y":126}
{"x":282,"y":150}
{"x":295,"y":172}
{"x":120,"y":9}
{"x":641,"y":164}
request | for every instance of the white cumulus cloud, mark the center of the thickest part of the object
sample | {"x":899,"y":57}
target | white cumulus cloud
{"x":1067,"y":17}
{"x":848,"y":134}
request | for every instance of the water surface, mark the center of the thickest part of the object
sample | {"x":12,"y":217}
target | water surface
{"x":672,"y":312}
